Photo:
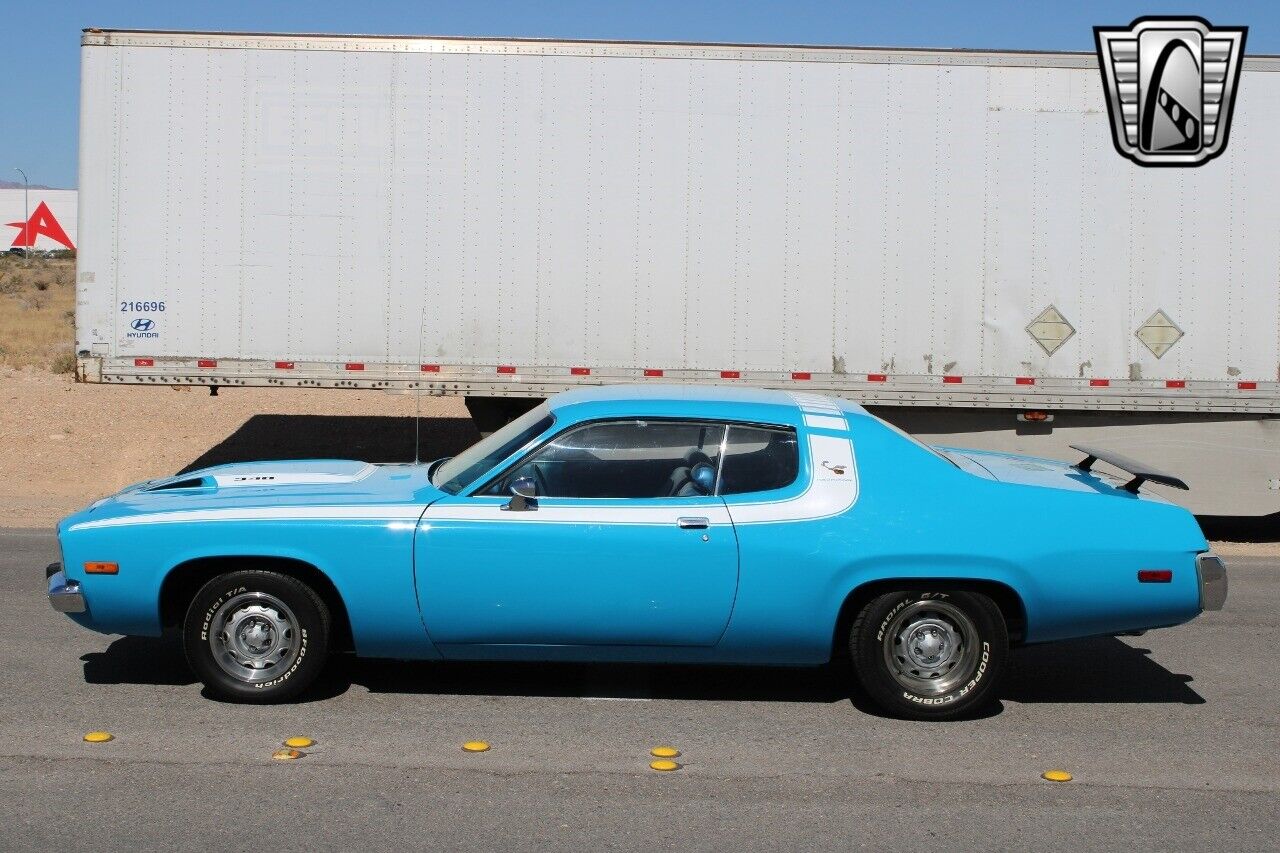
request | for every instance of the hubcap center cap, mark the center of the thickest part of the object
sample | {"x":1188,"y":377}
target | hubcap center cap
{"x":256,"y":635}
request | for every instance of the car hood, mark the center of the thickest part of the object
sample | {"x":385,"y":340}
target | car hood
{"x":330,"y":483}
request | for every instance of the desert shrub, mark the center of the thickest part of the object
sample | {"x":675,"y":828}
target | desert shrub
{"x":63,"y":362}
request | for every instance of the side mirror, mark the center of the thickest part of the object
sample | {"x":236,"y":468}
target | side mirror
{"x":524,"y":495}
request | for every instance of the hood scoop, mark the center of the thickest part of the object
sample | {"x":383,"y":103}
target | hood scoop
{"x":283,"y":477}
{"x":259,"y":474}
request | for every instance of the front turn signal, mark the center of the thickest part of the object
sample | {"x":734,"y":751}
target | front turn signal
{"x":93,"y":568}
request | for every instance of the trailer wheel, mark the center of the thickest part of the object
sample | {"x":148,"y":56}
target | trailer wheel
{"x":927,"y":655}
{"x":256,"y":636}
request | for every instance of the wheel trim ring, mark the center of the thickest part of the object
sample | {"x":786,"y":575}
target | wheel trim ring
{"x":954,"y":670}
{"x":230,"y":617}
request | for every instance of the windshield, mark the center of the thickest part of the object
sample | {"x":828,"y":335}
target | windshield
{"x":480,"y":457}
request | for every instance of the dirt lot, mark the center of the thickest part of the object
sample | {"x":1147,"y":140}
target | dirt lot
{"x":63,"y":445}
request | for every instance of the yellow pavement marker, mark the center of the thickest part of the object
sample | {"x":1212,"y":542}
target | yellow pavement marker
{"x":287,"y":754}
{"x":476,"y":746}
{"x":663,"y":765}
{"x":1056,"y":776}
{"x":299,"y":742}
{"x":99,"y":737}
{"x":664,"y":752}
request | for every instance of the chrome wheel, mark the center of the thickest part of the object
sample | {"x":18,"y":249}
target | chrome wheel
{"x":930,"y":647}
{"x":254,"y":637}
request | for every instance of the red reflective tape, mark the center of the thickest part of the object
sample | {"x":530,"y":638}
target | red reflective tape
{"x":354,"y":365}
{"x":731,"y":374}
{"x":877,"y":377}
{"x":801,"y":376}
{"x":1247,"y":386}
{"x":953,"y":380}
{"x":580,"y":371}
{"x":506,"y":368}
{"x":1099,"y":383}
{"x":206,"y":362}
{"x":430,"y":368}
{"x":1155,"y":575}
{"x":1175,"y":383}
{"x":284,"y":365}
{"x":649,"y":371}
{"x":144,"y":362}
{"x":1025,"y":380}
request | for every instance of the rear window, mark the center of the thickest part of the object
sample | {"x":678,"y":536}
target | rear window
{"x":758,"y":459}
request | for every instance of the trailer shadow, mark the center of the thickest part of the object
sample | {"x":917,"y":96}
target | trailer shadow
{"x":371,"y":438}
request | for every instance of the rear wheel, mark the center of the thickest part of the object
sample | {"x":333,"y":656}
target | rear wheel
{"x":256,"y":636}
{"x":929,"y":655}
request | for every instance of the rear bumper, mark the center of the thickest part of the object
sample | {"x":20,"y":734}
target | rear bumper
{"x":64,"y":595}
{"x":1212,"y":574}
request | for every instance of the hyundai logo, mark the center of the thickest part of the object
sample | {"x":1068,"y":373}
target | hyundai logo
{"x":142,"y":324}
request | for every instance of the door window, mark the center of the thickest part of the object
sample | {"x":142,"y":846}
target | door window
{"x":625,"y":459}
{"x":758,"y":459}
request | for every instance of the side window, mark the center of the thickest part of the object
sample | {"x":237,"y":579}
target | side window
{"x":626,"y":459}
{"x":758,"y":459}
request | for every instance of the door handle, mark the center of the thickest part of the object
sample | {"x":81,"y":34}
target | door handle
{"x":692,"y":523}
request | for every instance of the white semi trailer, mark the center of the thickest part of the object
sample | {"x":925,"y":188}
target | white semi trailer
{"x":947,"y":236}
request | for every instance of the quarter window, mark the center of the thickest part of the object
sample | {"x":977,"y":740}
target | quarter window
{"x":758,"y":459}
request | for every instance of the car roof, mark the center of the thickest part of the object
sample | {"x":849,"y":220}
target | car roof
{"x":761,"y":405}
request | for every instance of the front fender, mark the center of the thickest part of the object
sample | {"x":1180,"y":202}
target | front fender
{"x":369,"y":563}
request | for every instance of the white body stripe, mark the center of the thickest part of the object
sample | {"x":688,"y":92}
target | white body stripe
{"x":600,"y":511}
{"x":825,"y":422}
{"x":385,"y":512}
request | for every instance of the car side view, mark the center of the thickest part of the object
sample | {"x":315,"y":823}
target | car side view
{"x":664,"y":524}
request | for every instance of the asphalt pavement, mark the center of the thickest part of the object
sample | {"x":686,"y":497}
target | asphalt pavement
{"x":1173,"y":739}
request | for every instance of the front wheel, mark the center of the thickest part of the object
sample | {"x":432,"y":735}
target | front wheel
{"x":256,"y":636}
{"x":929,"y":655}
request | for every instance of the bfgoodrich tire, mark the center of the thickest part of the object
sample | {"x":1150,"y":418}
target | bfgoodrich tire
{"x":927,"y":655}
{"x":256,"y":636}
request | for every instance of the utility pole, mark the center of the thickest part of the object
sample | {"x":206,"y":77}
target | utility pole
{"x":26,"y":212}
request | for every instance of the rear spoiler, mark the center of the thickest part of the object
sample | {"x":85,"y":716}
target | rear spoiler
{"x":1141,"y":473}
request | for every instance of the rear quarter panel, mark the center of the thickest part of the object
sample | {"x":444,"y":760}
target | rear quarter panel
{"x":1071,"y":557}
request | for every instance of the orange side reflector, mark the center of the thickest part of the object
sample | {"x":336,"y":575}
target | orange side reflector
{"x":101,"y":568}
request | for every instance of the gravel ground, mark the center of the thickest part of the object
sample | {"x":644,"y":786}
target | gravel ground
{"x":67,"y":444}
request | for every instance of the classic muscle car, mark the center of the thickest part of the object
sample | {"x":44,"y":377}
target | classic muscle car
{"x":660,"y":524}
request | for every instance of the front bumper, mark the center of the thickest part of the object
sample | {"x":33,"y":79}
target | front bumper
{"x":64,"y":595}
{"x":1212,"y":575}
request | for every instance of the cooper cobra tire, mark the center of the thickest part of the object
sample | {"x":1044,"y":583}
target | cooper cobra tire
{"x":256,"y":636}
{"x":926,"y":655}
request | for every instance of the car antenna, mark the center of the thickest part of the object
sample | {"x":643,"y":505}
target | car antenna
{"x":417,"y":391}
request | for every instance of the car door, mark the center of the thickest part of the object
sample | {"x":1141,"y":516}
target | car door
{"x":624,"y":544}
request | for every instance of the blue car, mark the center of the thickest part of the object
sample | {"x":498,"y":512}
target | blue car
{"x":668,"y":524}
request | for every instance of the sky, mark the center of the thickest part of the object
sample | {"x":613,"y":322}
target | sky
{"x":40,"y":42}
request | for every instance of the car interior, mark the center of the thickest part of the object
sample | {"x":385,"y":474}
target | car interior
{"x":658,"y":459}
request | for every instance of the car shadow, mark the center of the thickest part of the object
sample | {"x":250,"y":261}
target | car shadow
{"x":1101,"y":670}
{"x":371,"y":438}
